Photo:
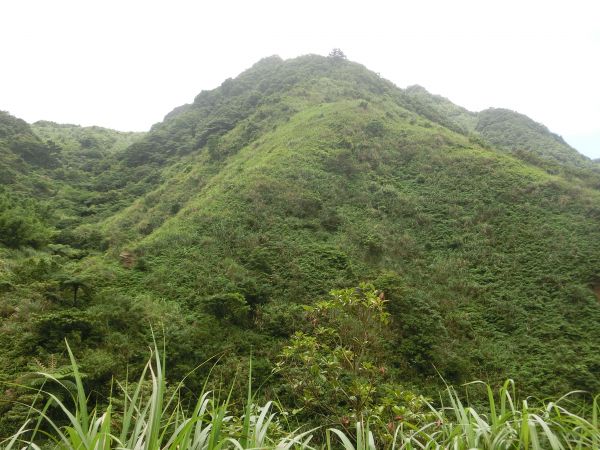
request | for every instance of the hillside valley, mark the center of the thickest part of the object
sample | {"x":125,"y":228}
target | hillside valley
{"x":215,"y":229}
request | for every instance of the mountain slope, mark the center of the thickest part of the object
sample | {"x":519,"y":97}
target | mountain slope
{"x":21,"y":151}
{"x":304,"y":175}
{"x":333,"y":189}
{"x":516,"y":132}
{"x":508,"y":130}
{"x":441,"y":110}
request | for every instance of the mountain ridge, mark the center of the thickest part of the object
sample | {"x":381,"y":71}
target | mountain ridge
{"x":294,"y":178}
{"x":157,"y":237}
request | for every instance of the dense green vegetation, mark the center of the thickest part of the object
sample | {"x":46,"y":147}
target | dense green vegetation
{"x":150,"y":414}
{"x":480,"y":231}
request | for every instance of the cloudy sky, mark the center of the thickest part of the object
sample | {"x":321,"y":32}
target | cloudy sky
{"x":125,"y":64}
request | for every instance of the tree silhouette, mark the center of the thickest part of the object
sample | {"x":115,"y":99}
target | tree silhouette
{"x":337,"y":54}
{"x":75,"y":283}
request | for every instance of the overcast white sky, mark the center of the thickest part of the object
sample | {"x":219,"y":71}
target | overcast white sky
{"x":125,"y":64}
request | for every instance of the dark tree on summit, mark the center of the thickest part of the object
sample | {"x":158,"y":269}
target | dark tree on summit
{"x":337,"y":53}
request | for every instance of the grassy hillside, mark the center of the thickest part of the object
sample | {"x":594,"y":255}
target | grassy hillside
{"x":341,"y":193}
{"x":441,"y":110}
{"x":331,"y":190}
{"x":295,"y":178}
{"x":508,"y":130}
{"x":64,"y":163}
{"x":84,"y":151}
{"x":535,"y":144}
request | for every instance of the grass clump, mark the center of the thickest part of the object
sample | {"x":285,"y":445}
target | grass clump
{"x":501,"y":424}
{"x":154,"y":418}
{"x":159,"y":418}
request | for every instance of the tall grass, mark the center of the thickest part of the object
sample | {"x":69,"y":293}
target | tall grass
{"x":502,"y":425}
{"x":157,"y":419}
{"x":153,"y":421}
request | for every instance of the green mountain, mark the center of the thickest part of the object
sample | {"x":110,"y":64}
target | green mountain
{"x":510,"y":131}
{"x":20,"y":151}
{"x":441,"y":110}
{"x":294,"y":178}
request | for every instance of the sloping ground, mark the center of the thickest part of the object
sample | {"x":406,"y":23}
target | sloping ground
{"x":295,"y":178}
{"x":486,"y":258}
{"x":441,"y":110}
{"x":64,"y":166}
{"x":84,"y":151}
{"x":21,"y":152}
{"x":507,"y":130}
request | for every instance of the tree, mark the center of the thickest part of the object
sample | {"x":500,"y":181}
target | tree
{"x":75,"y":283}
{"x":337,"y":54}
{"x":335,"y":370}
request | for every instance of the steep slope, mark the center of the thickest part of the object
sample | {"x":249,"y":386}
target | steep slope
{"x":441,"y":110}
{"x":338,"y":182}
{"x":50,"y":202}
{"x":84,"y":148}
{"x":304,"y":175}
{"x":508,"y":130}
{"x":64,"y":172}
{"x":24,"y":183}
{"x":21,"y":151}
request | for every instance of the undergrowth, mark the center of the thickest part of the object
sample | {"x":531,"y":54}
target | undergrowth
{"x":158,"y":418}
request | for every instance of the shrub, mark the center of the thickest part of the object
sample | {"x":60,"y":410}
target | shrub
{"x":231,"y":307}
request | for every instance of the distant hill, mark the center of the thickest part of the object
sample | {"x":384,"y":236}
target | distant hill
{"x":20,"y":148}
{"x":77,"y":139}
{"x":518,"y":133}
{"x":296,"y":177}
{"x":441,"y":110}
{"x":507,"y":130}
